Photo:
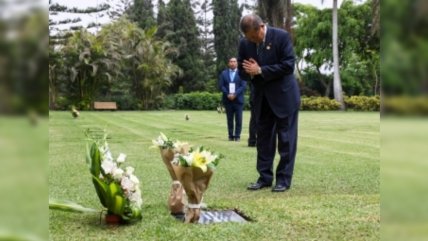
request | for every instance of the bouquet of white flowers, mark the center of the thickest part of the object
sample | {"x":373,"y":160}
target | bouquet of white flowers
{"x":118,"y":189}
{"x":168,"y":149}
{"x":194,"y":170}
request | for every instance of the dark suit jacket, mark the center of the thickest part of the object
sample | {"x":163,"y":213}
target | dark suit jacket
{"x":240,"y":86}
{"x":277,"y":82}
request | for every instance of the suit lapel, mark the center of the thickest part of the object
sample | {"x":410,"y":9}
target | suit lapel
{"x":268,"y":42}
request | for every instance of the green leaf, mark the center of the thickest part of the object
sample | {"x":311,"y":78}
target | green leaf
{"x":94,"y":69}
{"x":96,"y":160}
{"x":132,"y":214}
{"x":102,"y":190}
{"x":182,"y":161}
{"x":69,"y":206}
{"x":151,"y":32}
{"x":118,"y":205}
{"x":136,"y":213}
{"x":88,"y":155}
{"x":73,"y":74}
{"x":211,"y":166}
{"x":114,"y":189}
{"x":115,"y":201}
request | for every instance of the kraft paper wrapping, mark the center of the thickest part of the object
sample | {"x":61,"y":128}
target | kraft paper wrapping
{"x":176,"y":194}
{"x":195,"y":183}
{"x":167,"y":156}
{"x":175,"y":199}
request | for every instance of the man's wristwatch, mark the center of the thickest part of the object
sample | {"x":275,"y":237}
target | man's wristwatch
{"x":259,"y":71}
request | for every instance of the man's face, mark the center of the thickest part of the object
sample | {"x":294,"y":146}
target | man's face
{"x":256,"y":35}
{"x":233,"y":63}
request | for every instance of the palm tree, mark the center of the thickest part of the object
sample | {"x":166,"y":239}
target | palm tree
{"x":144,"y":60}
{"x":337,"y":83}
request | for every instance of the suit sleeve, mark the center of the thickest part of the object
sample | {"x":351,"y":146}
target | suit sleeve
{"x":285,"y":64}
{"x":241,"y":89}
{"x":221,"y":84}
{"x":241,"y":56}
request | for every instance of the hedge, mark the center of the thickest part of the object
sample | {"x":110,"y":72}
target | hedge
{"x":210,"y":101}
{"x":405,"y":105}
{"x":318,"y":103}
{"x":363,"y":103}
{"x":196,"y":101}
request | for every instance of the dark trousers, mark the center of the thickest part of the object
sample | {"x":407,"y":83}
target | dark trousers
{"x":234,"y":119}
{"x":270,"y":128}
{"x":252,"y":139}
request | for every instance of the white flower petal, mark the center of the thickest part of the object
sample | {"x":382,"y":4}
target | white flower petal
{"x":108,"y":166}
{"x":129,"y":170}
{"x":134,"y":179}
{"x":118,"y":173}
{"x":121,"y":158}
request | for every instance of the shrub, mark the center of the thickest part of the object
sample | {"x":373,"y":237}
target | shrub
{"x":62,"y":103}
{"x":84,"y":105}
{"x":363,"y":103}
{"x":124,"y":102}
{"x":318,"y":103}
{"x":193,"y":101}
{"x":210,"y":101}
{"x":406,"y":105}
{"x":197,"y":101}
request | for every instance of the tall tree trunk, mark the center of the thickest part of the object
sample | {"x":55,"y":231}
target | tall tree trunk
{"x":337,"y":84}
{"x":376,"y":18}
{"x":376,"y":87}
{"x":326,"y":85}
{"x":289,"y":17}
{"x":273,"y":11}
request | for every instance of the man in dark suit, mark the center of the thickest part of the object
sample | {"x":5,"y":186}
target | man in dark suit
{"x":233,"y":89}
{"x":266,"y":58}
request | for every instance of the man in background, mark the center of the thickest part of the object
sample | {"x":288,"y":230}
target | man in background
{"x":233,"y":89}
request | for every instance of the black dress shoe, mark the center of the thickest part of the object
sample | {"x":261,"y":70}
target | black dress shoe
{"x":257,"y":186}
{"x":279,"y":188}
{"x":237,"y":139}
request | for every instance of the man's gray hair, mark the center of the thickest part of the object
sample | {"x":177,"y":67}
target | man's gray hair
{"x":250,"y":22}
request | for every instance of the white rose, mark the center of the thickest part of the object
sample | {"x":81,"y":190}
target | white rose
{"x":134,"y":179}
{"x":108,"y":166}
{"x":129,"y":170}
{"x":108,"y":156}
{"x":117,"y":173}
{"x":135,"y":198}
{"x":121,"y":158}
{"x":127,"y":184}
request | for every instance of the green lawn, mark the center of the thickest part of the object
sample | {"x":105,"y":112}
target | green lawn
{"x":334,"y":196}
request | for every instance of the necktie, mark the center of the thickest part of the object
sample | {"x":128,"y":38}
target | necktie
{"x":260,"y":48}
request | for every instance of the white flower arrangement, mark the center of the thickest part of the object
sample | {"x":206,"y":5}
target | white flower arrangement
{"x":118,"y":189}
